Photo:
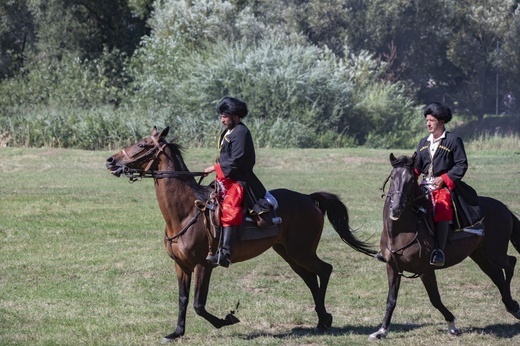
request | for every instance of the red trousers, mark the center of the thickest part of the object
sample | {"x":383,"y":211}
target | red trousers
{"x":442,"y":205}
{"x":231,"y":203}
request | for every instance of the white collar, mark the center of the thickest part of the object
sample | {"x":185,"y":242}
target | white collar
{"x":432,"y":140}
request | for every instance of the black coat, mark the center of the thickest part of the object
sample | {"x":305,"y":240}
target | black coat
{"x":450,"y":158}
{"x":237,"y":158}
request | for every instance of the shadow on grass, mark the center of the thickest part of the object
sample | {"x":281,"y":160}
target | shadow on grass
{"x":502,"y":331}
{"x":333,"y":331}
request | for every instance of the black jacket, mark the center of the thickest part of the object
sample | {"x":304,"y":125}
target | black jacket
{"x":450,"y":158}
{"x":237,"y":158}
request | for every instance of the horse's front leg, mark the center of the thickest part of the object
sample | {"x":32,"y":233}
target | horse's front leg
{"x":394,"y":281}
{"x":429,"y":281}
{"x":184,"y":281}
{"x":202,"y":279}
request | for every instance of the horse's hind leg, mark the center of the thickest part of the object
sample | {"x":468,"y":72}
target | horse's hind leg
{"x":310,"y":270}
{"x":501,"y":277}
{"x":510,"y":271}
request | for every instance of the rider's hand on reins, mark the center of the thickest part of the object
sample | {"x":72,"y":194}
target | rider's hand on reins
{"x":209,"y":170}
{"x":438,"y":183}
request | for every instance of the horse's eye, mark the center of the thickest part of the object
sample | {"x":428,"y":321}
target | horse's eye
{"x":141,"y":145}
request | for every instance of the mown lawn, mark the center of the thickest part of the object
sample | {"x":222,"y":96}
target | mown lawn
{"x":82,"y":260}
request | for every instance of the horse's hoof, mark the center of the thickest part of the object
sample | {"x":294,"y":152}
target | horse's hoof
{"x":325,"y":322}
{"x":171,"y":337}
{"x":380,"y":334}
{"x":515,"y":313}
{"x":452,"y":330}
{"x":231,"y":319}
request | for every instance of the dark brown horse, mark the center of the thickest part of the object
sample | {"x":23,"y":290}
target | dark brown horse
{"x":187,"y":235}
{"x":407,"y":242}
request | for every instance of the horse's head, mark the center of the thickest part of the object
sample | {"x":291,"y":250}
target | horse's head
{"x":403,"y":182}
{"x":140,"y":156}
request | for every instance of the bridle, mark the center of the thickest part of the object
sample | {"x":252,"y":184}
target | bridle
{"x":410,"y":199}
{"x":419,"y":210}
{"x":136,"y":174}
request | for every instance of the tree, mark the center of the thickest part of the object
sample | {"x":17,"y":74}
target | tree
{"x":16,"y":35}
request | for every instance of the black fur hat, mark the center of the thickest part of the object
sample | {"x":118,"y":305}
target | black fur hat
{"x":438,"y":111}
{"x":232,"y":106}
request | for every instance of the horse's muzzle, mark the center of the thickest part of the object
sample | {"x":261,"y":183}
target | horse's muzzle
{"x":113,"y":168}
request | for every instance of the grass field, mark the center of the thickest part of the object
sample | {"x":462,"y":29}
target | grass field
{"x":82,"y":260}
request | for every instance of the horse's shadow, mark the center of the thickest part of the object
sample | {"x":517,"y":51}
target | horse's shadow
{"x":501,"y":331}
{"x":332,"y":331}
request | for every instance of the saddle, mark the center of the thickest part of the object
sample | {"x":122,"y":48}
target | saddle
{"x":456,"y":230}
{"x":260,"y":219}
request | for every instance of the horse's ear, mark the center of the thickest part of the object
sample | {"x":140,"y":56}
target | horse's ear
{"x":413,"y":158}
{"x":154,"y":131}
{"x":392,"y":158}
{"x":165,"y":131}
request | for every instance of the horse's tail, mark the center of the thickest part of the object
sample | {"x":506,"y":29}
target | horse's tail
{"x":337,"y":213}
{"x":515,"y":235}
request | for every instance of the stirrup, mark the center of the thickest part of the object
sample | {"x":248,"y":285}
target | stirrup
{"x":213,"y":260}
{"x":218,"y":260}
{"x":437,"y":258}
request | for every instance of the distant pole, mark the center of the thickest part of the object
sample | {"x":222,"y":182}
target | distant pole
{"x":496,"y":91}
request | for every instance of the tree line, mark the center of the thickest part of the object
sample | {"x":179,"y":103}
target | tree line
{"x":315,"y":73}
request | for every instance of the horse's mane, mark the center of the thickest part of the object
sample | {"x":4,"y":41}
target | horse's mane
{"x":178,"y":150}
{"x":201,"y":191}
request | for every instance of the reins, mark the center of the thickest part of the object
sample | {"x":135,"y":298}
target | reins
{"x":171,"y":240}
{"x":408,"y":200}
{"x":419,"y":209}
{"x":134,"y":174}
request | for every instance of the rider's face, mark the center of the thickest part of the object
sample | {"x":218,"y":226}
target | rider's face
{"x":229,"y":121}
{"x":434,"y":126}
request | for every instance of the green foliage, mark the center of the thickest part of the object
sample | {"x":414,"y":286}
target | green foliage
{"x":16,"y":29}
{"x":72,"y":127}
{"x":65,"y":82}
{"x":304,"y":96}
{"x":314,"y":73}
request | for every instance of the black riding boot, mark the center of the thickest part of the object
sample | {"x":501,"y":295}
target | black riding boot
{"x":441,"y":235}
{"x":223,"y":254}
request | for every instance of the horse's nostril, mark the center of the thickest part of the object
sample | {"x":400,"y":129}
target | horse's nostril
{"x":109,"y":162}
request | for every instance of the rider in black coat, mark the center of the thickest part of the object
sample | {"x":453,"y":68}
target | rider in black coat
{"x":442,"y":160}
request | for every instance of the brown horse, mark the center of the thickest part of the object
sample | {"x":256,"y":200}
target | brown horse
{"x":187,"y":235}
{"x":407,"y":242}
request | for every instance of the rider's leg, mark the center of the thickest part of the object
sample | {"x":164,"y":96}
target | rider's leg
{"x":441,"y":235}
{"x":443,"y":213}
{"x":223,"y":255}
{"x":231,"y":218}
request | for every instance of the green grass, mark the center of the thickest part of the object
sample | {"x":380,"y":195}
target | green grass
{"x":82,"y":260}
